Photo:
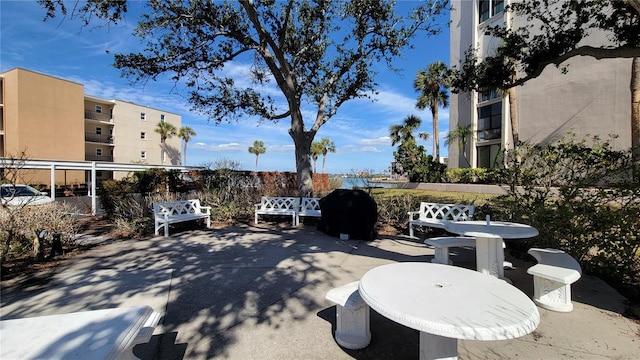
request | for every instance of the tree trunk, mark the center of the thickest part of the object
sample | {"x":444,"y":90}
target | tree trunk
{"x":635,"y":109}
{"x":184,"y":155}
{"x":302,"y":140}
{"x":513,"y":115}
{"x":436,"y":138}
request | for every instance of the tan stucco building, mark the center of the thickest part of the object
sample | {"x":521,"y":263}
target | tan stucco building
{"x":593,"y":98}
{"x":47,"y":118}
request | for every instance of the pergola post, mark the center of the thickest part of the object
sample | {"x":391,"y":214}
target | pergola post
{"x":94,"y":205}
{"x":53,"y":182}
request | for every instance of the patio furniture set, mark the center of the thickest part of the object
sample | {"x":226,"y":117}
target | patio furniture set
{"x":446,"y":303}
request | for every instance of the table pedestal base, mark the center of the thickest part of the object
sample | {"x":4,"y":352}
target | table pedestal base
{"x":490,"y":256}
{"x":437,"y":347}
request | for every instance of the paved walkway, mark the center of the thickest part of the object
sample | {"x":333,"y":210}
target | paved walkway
{"x":258,"y":293}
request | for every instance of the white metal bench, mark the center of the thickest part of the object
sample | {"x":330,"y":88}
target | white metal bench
{"x":552,"y":278}
{"x":170,"y":212}
{"x":352,"y":316}
{"x":308,"y":207}
{"x":437,"y":215}
{"x":275,"y":205}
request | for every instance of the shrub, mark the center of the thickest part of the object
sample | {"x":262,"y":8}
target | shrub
{"x":582,"y":198}
{"x":472,"y":175}
{"x":18,"y":227}
{"x":393,"y":210}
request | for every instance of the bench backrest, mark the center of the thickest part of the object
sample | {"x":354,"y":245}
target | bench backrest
{"x":180,"y":207}
{"x":450,"y":212}
{"x":278,"y":203}
{"x":310,"y":204}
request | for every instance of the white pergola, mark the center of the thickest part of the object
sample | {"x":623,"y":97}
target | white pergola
{"x":91,"y":166}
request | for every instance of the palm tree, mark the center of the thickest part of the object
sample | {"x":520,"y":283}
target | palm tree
{"x":404,"y":133}
{"x":257,"y":149}
{"x":462,"y":136}
{"x":166,"y":131}
{"x":327,"y":147}
{"x":316,"y":150}
{"x":432,"y":84}
{"x":185,"y":133}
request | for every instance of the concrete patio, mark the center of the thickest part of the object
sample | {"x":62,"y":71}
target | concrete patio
{"x":257,"y":292}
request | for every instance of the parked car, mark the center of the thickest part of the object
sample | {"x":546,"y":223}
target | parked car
{"x":19,"y":195}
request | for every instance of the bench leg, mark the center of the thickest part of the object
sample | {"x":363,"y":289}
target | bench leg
{"x":552,"y":295}
{"x":411,"y":230}
{"x":352,"y":327}
{"x":442,"y":256}
{"x":166,"y":229}
{"x":437,"y":347}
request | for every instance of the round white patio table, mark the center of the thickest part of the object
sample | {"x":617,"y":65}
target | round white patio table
{"x":489,"y":236}
{"x":446,"y":303}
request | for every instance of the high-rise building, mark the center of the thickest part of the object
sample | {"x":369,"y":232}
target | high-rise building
{"x":47,"y":118}
{"x":592,"y":98}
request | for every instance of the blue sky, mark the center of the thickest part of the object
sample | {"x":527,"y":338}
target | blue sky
{"x":360,"y":130}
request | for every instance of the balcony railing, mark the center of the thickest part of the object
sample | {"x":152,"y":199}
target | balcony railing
{"x":103,"y":158}
{"x":98,"y":138}
{"x":92,"y":115}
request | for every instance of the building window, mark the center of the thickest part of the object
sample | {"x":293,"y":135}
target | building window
{"x":99,"y":109}
{"x":99,"y":152}
{"x":99,"y":130}
{"x":489,"y":8}
{"x":143,"y":116}
{"x":162,"y":117}
{"x":490,"y":121}
{"x":143,"y":135}
{"x":487,"y":95}
{"x":143,"y":154}
{"x":488,"y":156}
{"x":98,"y":173}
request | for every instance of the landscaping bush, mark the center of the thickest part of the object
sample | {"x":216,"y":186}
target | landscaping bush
{"x":18,"y":227}
{"x":472,"y":175}
{"x":392,"y":211}
{"x":583,"y":198}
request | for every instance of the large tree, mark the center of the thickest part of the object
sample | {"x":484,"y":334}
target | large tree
{"x":432,"y":83}
{"x":557,"y":31}
{"x":316,"y":52}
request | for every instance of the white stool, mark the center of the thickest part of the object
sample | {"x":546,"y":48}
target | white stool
{"x":352,"y":316}
{"x":441,"y":246}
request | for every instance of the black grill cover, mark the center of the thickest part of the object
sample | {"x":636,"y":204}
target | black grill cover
{"x":351,"y":212}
